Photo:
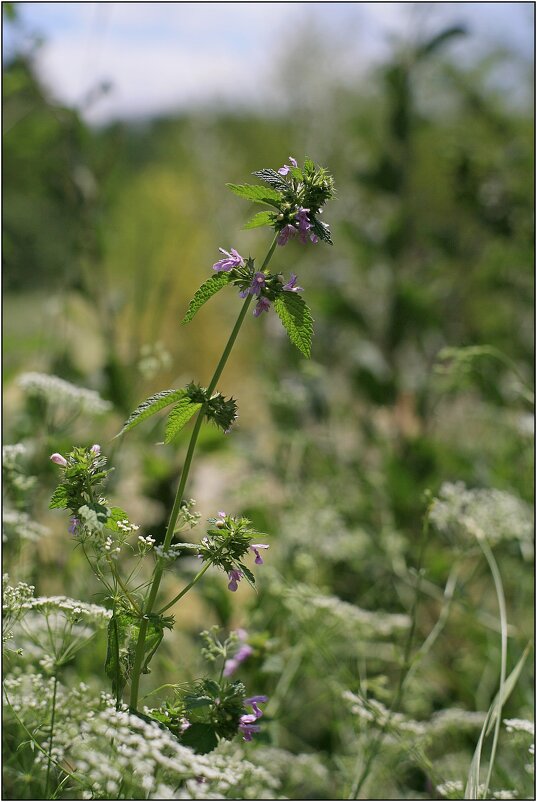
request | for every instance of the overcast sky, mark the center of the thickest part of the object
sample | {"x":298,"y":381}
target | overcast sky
{"x":161,"y":57}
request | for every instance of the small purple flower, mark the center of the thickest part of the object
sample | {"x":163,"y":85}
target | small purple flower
{"x":221,"y":514}
{"x":234,"y":578}
{"x":247,"y":726}
{"x":254,"y":547}
{"x":291,"y":284}
{"x":304,"y":224}
{"x":234,"y":259}
{"x":287,"y":233}
{"x":285,"y":169}
{"x":258,"y":283}
{"x":253,"y":701}
{"x":75,"y":523}
{"x":95,"y":449}
{"x":232,"y":664}
{"x":263,"y":305}
{"x":58,"y":459}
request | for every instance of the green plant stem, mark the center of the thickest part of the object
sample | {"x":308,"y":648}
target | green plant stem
{"x":52,"y":720}
{"x":159,"y":569}
{"x":185,"y":589}
{"x":495,"y":571}
{"x":122,"y":585}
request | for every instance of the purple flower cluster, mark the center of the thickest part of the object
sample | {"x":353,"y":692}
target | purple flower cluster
{"x":301,"y":226}
{"x":235,"y":575}
{"x":247,"y":721}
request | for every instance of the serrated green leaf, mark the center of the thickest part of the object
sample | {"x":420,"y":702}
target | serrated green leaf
{"x":261,"y":219}
{"x":59,"y":499}
{"x":193,"y":702}
{"x":297,"y":320}
{"x":296,"y":172}
{"x":200,"y":737}
{"x":123,"y":629}
{"x":257,"y":194}
{"x":273,"y":178}
{"x":321,"y":229}
{"x":248,"y":574}
{"x":116,"y":514}
{"x":153,"y":404}
{"x":309,"y":165}
{"x":179,"y":417}
{"x":206,"y":291}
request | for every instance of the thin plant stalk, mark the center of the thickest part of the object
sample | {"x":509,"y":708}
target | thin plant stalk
{"x":52,"y":721}
{"x":159,"y":569}
{"x":498,"y":585}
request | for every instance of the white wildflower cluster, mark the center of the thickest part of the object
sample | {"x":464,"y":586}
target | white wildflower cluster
{"x":72,"y":609}
{"x":494,"y":515}
{"x":451,"y":789}
{"x":454,"y":720}
{"x":174,"y":551}
{"x":11,"y":453}
{"x":126,"y":526}
{"x":52,"y":629}
{"x":62,"y":393}
{"x":308,"y":604}
{"x":110,"y":547}
{"x":119,"y":755}
{"x":519,"y":729}
{"x":304,"y":532}
{"x":14,"y":478}
{"x":301,"y":775}
{"x":18,"y":525}
{"x":371,"y":710}
{"x":520,"y":725}
{"x":145,"y":543}
{"x":454,"y":789}
{"x":13,"y":599}
{"x":186,"y":518}
{"x":153,"y":358}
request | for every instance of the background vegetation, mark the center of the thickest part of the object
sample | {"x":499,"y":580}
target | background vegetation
{"x":107,"y":233}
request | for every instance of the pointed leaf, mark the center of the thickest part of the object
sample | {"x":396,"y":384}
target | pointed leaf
{"x":59,"y":499}
{"x":179,"y":417}
{"x":257,"y":194}
{"x":153,"y":404}
{"x":273,"y":178}
{"x":200,"y":737}
{"x":472,"y":785}
{"x":297,"y":320}
{"x":261,"y":219}
{"x":321,"y":230}
{"x":206,"y":291}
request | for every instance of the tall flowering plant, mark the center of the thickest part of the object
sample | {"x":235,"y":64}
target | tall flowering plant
{"x":209,"y":709}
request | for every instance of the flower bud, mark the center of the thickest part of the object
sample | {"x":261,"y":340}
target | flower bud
{"x":95,"y":449}
{"x":59,"y":460}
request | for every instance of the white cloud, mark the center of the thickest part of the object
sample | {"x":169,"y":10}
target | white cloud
{"x":163,"y":56}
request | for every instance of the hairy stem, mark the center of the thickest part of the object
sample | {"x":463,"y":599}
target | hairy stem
{"x":159,"y":569}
